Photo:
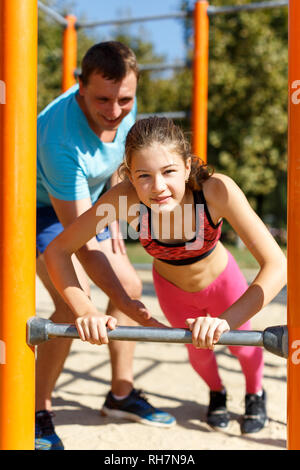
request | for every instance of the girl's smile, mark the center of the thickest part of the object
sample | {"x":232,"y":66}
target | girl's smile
{"x":161,"y":200}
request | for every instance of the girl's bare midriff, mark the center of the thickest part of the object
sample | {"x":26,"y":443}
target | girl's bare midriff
{"x":195,"y":277}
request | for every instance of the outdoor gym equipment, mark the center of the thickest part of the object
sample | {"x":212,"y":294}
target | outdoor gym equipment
{"x":274,"y":339}
{"x":18,"y":44}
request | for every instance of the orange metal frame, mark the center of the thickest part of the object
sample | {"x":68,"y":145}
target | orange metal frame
{"x":200,"y":69}
{"x":18,"y":81}
{"x":200,"y":79}
{"x":293,"y":302}
{"x":18,"y":71}
{"x":69,"y":53}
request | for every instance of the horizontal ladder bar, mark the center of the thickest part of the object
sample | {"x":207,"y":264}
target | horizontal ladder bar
{"x":140,"y":19}
{"x":53,"y":14}
{"x":211,"y":10}
{"x":167,"y":114}
{"x":274,"y":339}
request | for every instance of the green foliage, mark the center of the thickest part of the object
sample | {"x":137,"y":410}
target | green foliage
{"x":247,"y":110}
{"x":49,"y":60}
{"x":248,"y":97}
{"x":138,"y":255}
{"x":50,"y":37}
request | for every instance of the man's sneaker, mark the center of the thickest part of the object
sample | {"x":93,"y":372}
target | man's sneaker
{"x":217,"y":414}
{"x":45,"y":436}
{"x":255,"y":417}
{"x":136,"y":408}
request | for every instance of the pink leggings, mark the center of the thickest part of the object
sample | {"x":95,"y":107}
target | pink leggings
{"x":178,"y":305}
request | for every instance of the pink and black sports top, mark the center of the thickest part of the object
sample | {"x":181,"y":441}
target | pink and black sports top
{"x":204,"y":242}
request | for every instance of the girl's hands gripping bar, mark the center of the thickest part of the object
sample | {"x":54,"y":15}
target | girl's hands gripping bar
{"x":206,"y":331}
{"x":92,"y":327}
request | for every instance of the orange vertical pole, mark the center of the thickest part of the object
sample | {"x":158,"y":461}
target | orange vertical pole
{"x":200,"y":77}
{"x":18,"y":73}
{"x":69,"y":53}
{"x":293,"y":297}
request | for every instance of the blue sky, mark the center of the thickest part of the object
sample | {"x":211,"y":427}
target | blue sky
{"x":166,"y":35}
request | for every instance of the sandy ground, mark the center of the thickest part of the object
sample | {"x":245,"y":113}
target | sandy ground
{"x":163,"y":372}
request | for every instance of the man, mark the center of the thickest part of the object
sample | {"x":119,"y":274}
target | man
{"x":81,"y":137}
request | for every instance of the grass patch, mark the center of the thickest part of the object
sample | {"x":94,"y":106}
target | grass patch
{"x":244,"y":258}
{"x":138,"y":255}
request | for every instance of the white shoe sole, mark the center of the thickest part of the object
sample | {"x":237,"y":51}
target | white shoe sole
{"x":132,"y":417}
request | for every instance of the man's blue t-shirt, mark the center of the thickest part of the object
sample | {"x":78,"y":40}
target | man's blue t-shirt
{"x":72,"y":162}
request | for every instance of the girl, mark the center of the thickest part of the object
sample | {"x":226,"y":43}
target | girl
{"x":180,"y":207}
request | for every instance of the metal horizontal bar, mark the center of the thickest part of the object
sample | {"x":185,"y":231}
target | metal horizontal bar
{"x":156,"y":67}
{"x":211,"y":10}
{"x":140,"y":19}
{"x":56,"y":16}
{"x":168,"y":114}
{"x":274,"y":339}
{"x":166,"y":335}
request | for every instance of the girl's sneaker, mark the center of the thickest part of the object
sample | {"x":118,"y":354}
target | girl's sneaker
{"x":217,"y":414}
{"x":45,"y":435}
{"x":136,"y":408}
{"x":255,"y":417}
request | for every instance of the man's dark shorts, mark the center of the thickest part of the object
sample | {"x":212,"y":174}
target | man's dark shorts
{"x":48,"y":227}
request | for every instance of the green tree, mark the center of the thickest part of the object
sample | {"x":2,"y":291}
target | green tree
{"x":50,"y":36}
{"x":247,"y":111}
{"x":49,"y":59}
{"x":155,"y":94}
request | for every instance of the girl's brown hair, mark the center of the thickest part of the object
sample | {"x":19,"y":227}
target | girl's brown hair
{"x":161,"y":130}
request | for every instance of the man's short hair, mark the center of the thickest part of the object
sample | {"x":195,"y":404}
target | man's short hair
{"x":112,"y":59}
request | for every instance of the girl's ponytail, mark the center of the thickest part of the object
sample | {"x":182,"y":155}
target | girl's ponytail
{"x":200,"y":172}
